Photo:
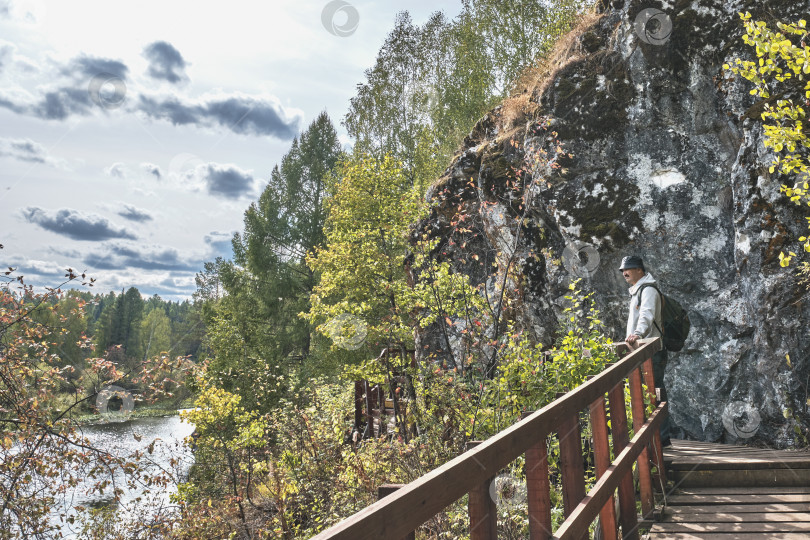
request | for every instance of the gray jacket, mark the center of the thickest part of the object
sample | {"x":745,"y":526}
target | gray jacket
{"x":640,"y":319}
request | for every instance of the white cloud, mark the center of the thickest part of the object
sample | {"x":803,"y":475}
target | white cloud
{"x":28,"y":151}
{"x":152,"y":169}
{"x":116,"y":170}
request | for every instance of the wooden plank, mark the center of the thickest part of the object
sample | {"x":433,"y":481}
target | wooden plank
{"x":681,"y":448}
{"x":727,"y":536}
{"x":717,"y":490}
{"x":772,"y":462}
{"x":359,"y":392}
{"x":714,"y":459}
{"x":733,"y":527}
{"x":705,"y":445}
{"x":742,"y":477}
{"x":742,"y":517}
{"x":386,"y":490}
{"x":578,"y":522}
{"x":420,"y":500}
{"x":483,"y":513}
{"x":739,"y":499}
{"x":707,"y":461}
{"x":572,"y":467}
{"x":720,"y":456}
{"x":621,"y":436}
{"x":657,"y":449}
{"x":538,"y":491}
{"x":644,"y":478}
{"x":601,"y":453}
{"x":481,"y":508}
{"x":714,"y":508}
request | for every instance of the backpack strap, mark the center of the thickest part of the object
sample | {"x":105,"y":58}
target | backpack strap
{"x":663,"y":301}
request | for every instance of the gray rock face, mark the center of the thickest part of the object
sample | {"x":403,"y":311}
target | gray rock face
{"x":667,"y":163}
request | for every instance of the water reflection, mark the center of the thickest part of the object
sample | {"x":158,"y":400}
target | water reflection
{"x":124,"y":438}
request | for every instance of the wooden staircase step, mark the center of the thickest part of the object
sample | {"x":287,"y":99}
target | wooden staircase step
{"x":729,"y":492}
{"x":727,"y":527}
{"x":728,"y":536}
{"x":743,"y":477}
{"x":737,"y":508}
{"x":735,"y":517}
{"x":747,"y":498}
{"x":716,"y":490}
{"x":700,"y":464}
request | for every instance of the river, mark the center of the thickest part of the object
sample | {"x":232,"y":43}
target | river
{"x":122,"y":438}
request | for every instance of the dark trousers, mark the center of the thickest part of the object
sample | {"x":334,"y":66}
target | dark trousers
{"x":659,"y":361}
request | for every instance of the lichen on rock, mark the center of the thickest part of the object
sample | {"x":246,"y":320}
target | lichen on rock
{"x":666,"y":164}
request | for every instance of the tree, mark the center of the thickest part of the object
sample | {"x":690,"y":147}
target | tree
{"x":431,"y":84}
{"x":187,"y":329}
{"x":513,"y":35}
{"x":258,"y":342}
{"x":781,"y":77}
{"x":43,"y":454}
{"x":155,"y":333}
{"x":120,"y":324}
{"x":390,"y":108}
{"x":362,"y":266}
{"x":64,"y":325}
{"x":209,"y":286}
{"x":281,"y":229}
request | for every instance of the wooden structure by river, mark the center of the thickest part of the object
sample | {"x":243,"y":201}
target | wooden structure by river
{"x":398,"y":514}
{"x":715,"y":492}
{"x":378,"y":408}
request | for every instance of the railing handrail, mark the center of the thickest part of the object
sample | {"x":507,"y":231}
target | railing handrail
{"x":412,"y":505}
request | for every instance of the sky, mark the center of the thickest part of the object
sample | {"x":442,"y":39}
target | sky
{"x":134,"y":135}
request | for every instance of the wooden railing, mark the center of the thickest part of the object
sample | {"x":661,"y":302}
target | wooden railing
{"x":401,"y":512}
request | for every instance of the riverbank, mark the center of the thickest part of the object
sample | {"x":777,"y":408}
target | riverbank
{"x":160,"y":441}
{"x":142,"y":411}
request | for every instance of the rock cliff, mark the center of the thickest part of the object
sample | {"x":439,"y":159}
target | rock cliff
{"x":667,"y":162}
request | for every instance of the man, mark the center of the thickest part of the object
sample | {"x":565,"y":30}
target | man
{"x":645,"y":321}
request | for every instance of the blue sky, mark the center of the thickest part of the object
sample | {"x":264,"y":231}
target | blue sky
{"x":133,"y":136}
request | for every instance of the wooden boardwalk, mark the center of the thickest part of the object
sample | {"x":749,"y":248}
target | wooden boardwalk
{"x":715,"y":491}
{"x":724,"y":492}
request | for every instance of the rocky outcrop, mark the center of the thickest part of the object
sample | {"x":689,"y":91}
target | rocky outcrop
{"x":667,"y":162}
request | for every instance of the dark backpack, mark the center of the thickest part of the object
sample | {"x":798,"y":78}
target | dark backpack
{"x":674,"y":318}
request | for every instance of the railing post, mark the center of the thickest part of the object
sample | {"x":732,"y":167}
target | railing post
{"x":359,"y":387}
{"x":571,"y":462}
{"x":639,"y":417}
{"x":601,"y":457}
{"x":403,"y":513}
{"x":621,"y":437}
{"x":538,"y":489}
{"x":482,"y":509}
{"x":658,"y":450}
{"x":386,"y":490}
